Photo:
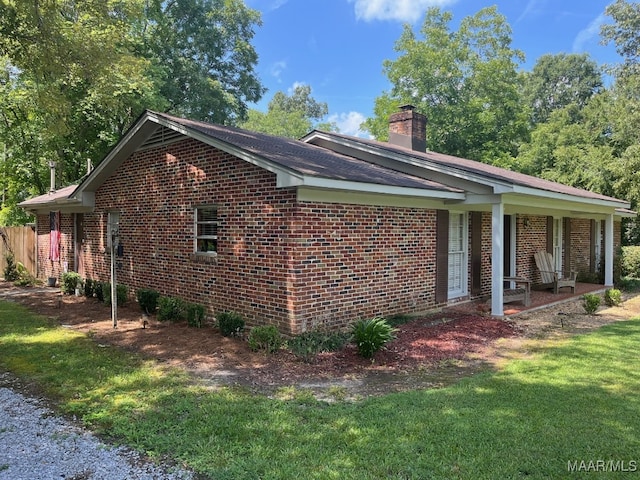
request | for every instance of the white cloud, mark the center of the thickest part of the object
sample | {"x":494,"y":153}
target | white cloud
{"x":349,"y":123}
{"x":277,"y":68}
{"x":585,"y":35}
{"x":399,"y":10}
{"x":533,"y":7}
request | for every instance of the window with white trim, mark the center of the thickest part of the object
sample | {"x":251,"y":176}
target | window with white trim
{"x":206,"y":229}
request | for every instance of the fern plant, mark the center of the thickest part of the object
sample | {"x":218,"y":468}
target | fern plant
{"x":371,"y":335}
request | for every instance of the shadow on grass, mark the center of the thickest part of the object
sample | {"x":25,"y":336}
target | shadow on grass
{"x":575,"y":402}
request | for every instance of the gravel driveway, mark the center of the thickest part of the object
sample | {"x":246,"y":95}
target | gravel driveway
{"x":36,"y":444}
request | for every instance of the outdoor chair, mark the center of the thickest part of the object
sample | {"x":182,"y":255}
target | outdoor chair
{"x":550,"y":277}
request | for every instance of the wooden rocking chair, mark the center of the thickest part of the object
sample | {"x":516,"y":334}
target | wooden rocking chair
{"x":551,"y":278}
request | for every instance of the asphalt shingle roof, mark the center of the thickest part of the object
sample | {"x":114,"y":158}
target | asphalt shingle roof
{"x":309,"y":159}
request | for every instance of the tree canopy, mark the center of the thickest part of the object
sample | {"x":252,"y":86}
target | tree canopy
{"x":560,"y":80}
{"x":290,"y":116}
{"x":74,"y":75}
{"x":466,"y":82}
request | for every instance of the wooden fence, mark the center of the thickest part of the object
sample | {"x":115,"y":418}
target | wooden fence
{"x":21,"y":241}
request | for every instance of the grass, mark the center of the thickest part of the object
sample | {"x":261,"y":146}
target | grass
{"x":576,"y":401}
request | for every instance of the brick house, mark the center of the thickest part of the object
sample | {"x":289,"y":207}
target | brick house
{"x":316,"y":232}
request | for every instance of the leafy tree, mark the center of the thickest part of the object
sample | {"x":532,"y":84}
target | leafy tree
{"x":204,"y":61}
{"x":466,"y":82}
{"x":74,"y":75}
{"x":290,"y":116}
{"x":560,"y":80}
{"x":624,"y":31}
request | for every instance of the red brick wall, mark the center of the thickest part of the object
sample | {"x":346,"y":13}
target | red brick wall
{"x":360,"y":261}
{"x":293,"y":265}
{"x":46,"y":266}
{"x":580,"y":245}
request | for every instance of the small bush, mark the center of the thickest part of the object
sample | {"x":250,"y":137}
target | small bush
{"x":148,"y":300}
{"x":399,"y":319}
{"x":69,"y":281}
{"x":308,"y":344}
{"x":11,"y":269}
{"x":25,"y":278}
{"x":171,"y":309}
{"x":591,"y":302}
{"x":370,"y":335}
{"x":195,"y":315}
{"x":612,"y":297}
{"x":265,"y":337}
{"x":89,"y":287}
{"x":98,"y":288}
{"x":122,"y":293}
{"x":629,"y":258}
{"x":230,"y":323}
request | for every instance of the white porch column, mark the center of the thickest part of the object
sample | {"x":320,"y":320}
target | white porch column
{"x":608,"y":251}
{"x":497,"y":259}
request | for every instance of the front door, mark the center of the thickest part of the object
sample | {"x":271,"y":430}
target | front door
{"x":457,"y":254}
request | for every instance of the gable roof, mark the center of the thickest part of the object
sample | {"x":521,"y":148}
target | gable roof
{"x":454,"y":166}
{"x":324,"y":161}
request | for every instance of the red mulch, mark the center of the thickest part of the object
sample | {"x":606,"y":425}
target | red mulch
{"x":419,"y":344}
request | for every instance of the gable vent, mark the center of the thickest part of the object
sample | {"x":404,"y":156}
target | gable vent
{"x":160,"y":137}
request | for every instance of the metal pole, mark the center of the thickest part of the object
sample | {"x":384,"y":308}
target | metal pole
{"x":114,"y":290}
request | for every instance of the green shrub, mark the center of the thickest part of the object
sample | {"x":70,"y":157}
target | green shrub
{"x":122,"y":293}
{"x":25,"y":278}
{"x":629,"y":258}
{"x":230,"y":323}
{"x":308,"y":344}
{"x":171,"y":309}
{"x":195,"y":315}
{"x":148,"y":300}
{"x":69,"y":281}
{"x":89,"y":287}
{"x":10,"y":270}
{"x":591,"y":302}
{"x":370,"y":335}
{"x":399,"y":319}
{"x":612,"y":297}
{"x":265,"y":337}
{"x":98,"y":288}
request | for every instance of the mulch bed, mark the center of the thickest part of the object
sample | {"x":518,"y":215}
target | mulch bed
{"x":422,"y":343}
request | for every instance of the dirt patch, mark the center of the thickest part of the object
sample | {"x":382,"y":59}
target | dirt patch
{"x":432,"y":350}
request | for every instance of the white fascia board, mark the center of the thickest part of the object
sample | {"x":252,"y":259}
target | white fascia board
{"x":331,"y":184}
{"x":478,"y":199}
{"x":564,"y":197}
{"x":322,"y":195}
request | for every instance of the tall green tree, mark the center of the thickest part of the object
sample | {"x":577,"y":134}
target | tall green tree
{"x":557,"y":81}
{"x":203,"y":57}
{"x":465,"y":81}
{"x":290,"y":116}
{"x":77,"y":74}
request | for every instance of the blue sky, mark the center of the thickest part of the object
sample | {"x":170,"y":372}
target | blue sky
{"x":338,"y":46}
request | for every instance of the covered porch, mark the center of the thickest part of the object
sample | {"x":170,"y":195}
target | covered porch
{"x":539,"y":299}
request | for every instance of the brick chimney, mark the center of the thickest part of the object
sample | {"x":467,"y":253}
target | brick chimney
{"x":408,"y":128}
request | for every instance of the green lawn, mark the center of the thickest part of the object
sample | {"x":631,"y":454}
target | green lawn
{"x":575,"y":403}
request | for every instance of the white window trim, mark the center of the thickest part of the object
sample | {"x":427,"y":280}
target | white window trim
{"x":464,"y":290}
{"x":196,"y":237}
